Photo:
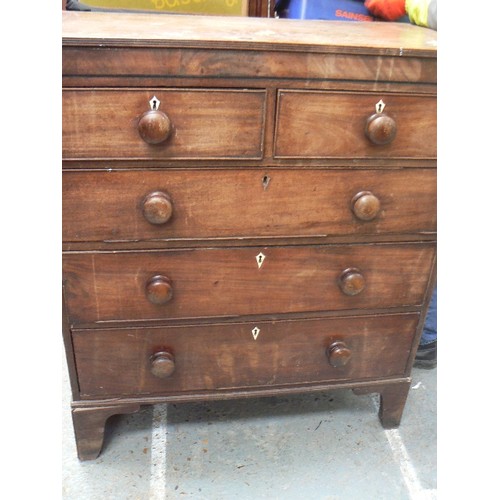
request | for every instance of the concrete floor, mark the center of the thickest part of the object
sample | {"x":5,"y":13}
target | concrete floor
{"x":321,"y":446}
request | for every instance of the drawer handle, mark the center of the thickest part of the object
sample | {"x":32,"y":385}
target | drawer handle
{"x":162,"y":364}
{"x":351,"y":281}
{"x":154,"y":126}
{"x":365,"y":205}
{"x":380,"y":129}
{"x":159,"y":290}
{"x":338,"y":354}
{"x":157,"y":208}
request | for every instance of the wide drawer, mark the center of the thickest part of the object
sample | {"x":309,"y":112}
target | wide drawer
{"x":176,"y":204}
{"x":204,"y":123}
{"x":128,"y":362}
{"x":207,"y":282}
{"x":313,"y":124}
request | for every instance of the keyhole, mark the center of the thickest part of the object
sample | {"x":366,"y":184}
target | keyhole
{"x":265,"y":181}
{"x":260,"y":259}
{"x":154,"y":103}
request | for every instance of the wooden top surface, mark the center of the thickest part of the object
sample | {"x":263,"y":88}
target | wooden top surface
{"x":159,"y":30}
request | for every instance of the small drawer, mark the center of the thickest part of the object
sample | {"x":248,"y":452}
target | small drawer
{"x":220,"y":203}
{"x":355,"y":125}
{"x":172,"y":360}
{"x":211,"y":282}
{"x":162,"y":124}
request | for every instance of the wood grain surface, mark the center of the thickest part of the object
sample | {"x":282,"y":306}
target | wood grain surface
{"x":211,"y":282}
{"x":226,"y":356}
{"x":206,"y":123}
{"x":243,"y":203}
{"x":332,"y":124}
{"x":399,"y":39}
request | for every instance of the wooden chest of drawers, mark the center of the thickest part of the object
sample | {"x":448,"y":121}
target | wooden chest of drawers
{"x":249,"y":209}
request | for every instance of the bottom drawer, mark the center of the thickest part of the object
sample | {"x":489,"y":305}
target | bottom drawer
{"x":139,"y":361}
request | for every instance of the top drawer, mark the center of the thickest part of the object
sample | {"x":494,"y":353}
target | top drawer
{"x":312,"y":124}
{"x":203,"y":124}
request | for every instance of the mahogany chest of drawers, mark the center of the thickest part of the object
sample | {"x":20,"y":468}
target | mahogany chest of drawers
{"x":249,"y":209}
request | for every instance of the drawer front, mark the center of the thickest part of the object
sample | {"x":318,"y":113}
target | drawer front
{"x":204,"y":124}
{"x":116,"y":205}
{"x":162,"y":285}
{"x":332,"y":125}
{"x":122,"y":362}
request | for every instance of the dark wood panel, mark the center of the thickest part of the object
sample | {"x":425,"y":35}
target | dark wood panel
{"x":228,"y":281}
{"x":106,"y":62}
{"x":211,"y":357}
{"x":261,"y":8}
{"x":109,"y":206}
{"x":332,"y":124}
{"x":205,"y":123}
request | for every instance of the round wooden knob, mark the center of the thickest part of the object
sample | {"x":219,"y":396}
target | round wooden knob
{"x":338,"y":354}
{"x":351,"y":281}
{"x":157,"y":208}
{"x":159,"y":290}
{"x":365,"y":205}
{"x":380,"y":129}
{"x":162,"y":364}
{"x":154,"y":126}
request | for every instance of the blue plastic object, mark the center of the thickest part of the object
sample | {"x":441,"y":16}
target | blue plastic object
{"x":340,"y":10}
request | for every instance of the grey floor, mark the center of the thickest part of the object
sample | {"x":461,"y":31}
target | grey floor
{"x":322,"y":446}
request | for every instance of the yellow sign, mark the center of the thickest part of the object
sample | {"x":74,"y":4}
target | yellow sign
{"x":215,"y":7}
